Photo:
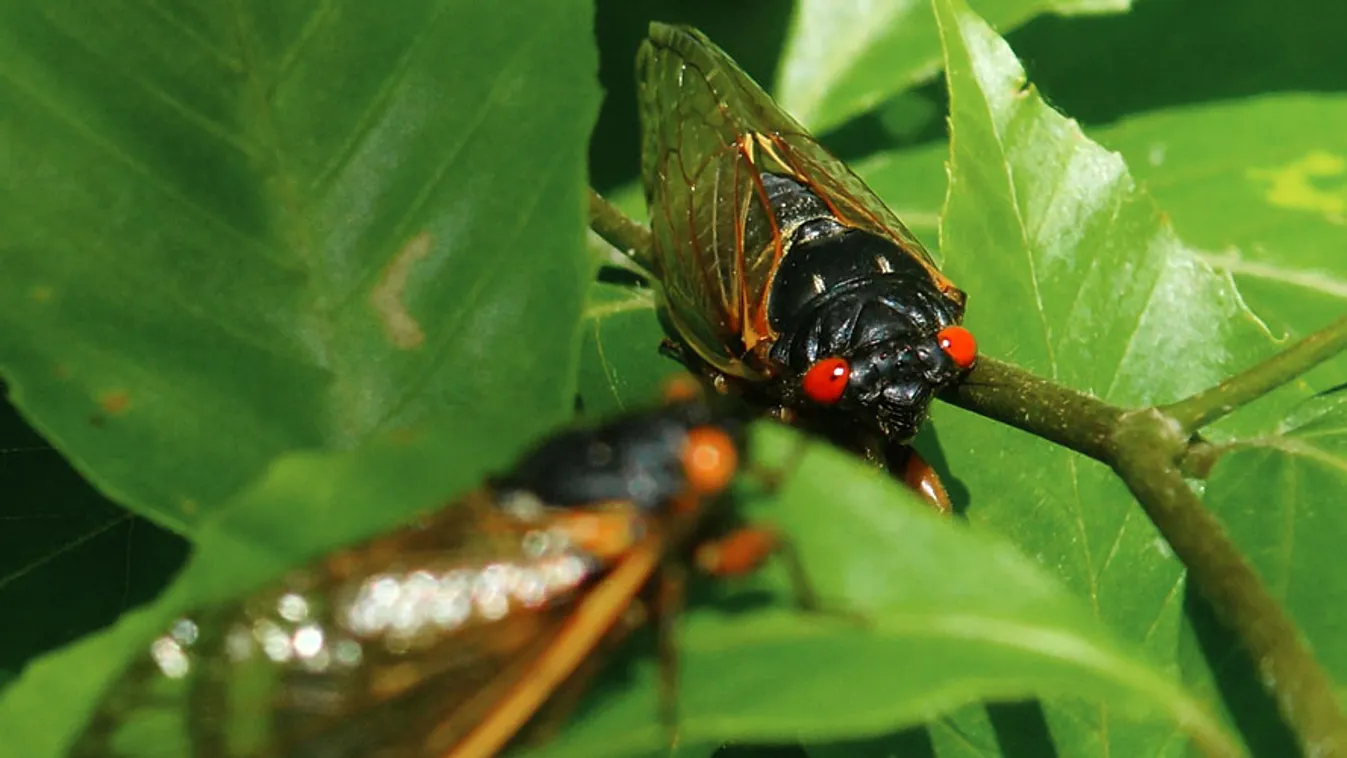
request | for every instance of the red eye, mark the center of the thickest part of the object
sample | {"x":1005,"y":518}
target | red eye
{"x":826,"y":380}
{"x":959,"y":345}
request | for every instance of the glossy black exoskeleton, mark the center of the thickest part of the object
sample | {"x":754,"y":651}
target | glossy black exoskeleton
{"x":855,"y":295}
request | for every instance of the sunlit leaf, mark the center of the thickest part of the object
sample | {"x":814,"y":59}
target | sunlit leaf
{"x":1260,"y":186}
{"x":1072,"y":272}
{"x":843,"y":58}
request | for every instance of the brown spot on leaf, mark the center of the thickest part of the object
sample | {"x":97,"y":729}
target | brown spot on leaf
{"x":406,"y":435}
{"x":386,"y":297}
{"x":40,"y":293}
{"x":188,"y":506}
{"x":115,"y":402}
{"x":61,"y":371}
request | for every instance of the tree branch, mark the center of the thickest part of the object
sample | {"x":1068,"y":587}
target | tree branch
{"x":1007,"y":393}
{"x":616,"y":229}
{"x":1207,"y":406}
{"x":1147,"y":444}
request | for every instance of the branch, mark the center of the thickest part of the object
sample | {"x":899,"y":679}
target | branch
{"x":1146,"y":444}
{"x":1201,"y":409}
{"x":1009,"y":394}
{"x":1145,"y":448}
{"x":616,"y":229}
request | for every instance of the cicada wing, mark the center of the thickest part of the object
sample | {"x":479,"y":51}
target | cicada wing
{"x":716,"y":240}
{"x":709,"y":134}
{"x":250,"y":684}
{"x":412,"y":708}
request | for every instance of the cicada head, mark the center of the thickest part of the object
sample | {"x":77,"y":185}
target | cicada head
{"x":895,"y":382}
{"x":875,"y":358}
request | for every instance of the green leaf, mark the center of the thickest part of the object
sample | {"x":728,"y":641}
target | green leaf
{"x":1214,"y":169}
{"x":278,"y":228}
{"x":844,"y":58}
{"x":952,"y":616}
{"x":1260,"y":185}
{"x":1072,"y":272}
{"x":620,"y":321}
{"x":254,"y":229}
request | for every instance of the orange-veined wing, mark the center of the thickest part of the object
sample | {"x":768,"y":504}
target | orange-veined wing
{"x":377,"y":651}
{"x":709,"y":135}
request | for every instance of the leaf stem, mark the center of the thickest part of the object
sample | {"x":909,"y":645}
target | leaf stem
{"x":1197,"y":411}
{"x":610,"y":223}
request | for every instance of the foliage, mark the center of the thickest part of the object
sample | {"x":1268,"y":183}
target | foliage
{"x":277,"y":278}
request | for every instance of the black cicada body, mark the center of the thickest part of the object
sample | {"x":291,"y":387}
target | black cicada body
{"x":444,"y":639}
{"x":780,"y":271}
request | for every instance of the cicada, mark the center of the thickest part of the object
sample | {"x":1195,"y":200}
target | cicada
{"x":783,"y":277}
{"x":446,"y":638}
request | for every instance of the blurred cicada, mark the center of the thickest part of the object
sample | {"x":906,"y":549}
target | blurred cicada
{"x":783,"y":277}
{"x":443,"y":640}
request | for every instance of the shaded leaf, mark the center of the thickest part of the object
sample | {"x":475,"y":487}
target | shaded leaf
{"x":843,"y":58}
{"x":258,"y":229}
{"x":620,"y":320}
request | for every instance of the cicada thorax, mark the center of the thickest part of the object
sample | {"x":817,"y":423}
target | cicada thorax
{"x":429,"y":642}
{"x":858,"y":321}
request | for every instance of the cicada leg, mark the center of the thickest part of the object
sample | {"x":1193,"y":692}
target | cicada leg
{"x":744,"y":549}
{"x":908,"y":465}
{"x":671,"y":592}
{"x":693,"y":363}
{"x":747,"y":548}
{"x":675,"y":351}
